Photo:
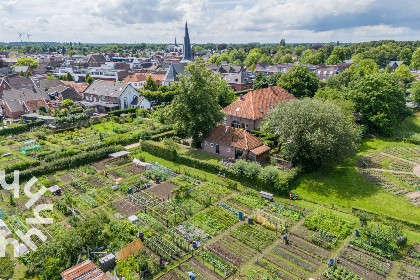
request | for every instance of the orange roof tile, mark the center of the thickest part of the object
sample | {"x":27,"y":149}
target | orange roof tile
{"x":260,"y":150}
{"x":84,"y":271}
{"x":255,"y":104}
{"x":235,"y":137}
{"x":139,"y":77}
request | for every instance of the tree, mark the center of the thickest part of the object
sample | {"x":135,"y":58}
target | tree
{"x":69,"y":77}
{"x":363,"y":68}
{"x":405,"y":55}
{"x":403,"y":75}
{"x":415,"y":93}
{"x":299,"y":81}
{"x":195,"y":109}
{"x":313,"y":133}
{"x":415,"y":60}
{"x":226,"y":94}
{"x":333,"y":60}
{"x":27,"y":61}
{"x":21,"y":74}
{"x":253,"y":57}
{"x":88,"y":79}
{"x":380,"y":101}
{"x":7,"y":267}
{"x":43,"y":110}
{"x":67,"y":102}
{"x":150,"y":84}
{"x":261,"y":81}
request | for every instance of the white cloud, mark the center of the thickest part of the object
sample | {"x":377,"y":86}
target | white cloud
{"x":209,"y":20}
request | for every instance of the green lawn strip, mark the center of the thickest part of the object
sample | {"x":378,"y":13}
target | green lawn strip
{"x":390,"y":177}
{"x":204,"y":176}
{"x":385,"y":164}
{"x":343,"y":187}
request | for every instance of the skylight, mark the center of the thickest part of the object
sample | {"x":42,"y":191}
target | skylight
{"x":237,"y":109}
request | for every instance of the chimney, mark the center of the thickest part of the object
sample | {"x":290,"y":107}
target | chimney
{"x":241,"y":97}
{"x":270,"y":86}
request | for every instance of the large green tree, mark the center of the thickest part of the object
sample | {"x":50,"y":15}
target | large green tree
{"x":380,"y":101}
{"x":195,"y":109}
{"x":313,"y":133}
{"x":27,"y":61}
{"x":415,"y":59}
{"x":299,"y":81}
{"x":150,"y":84}
{"x":7,"y":267}
{"x":415,"y":93}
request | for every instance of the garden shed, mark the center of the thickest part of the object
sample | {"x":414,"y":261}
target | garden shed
{"x":4,"y":229}
{"x":55,"y":190}
{"x":119,"y":154}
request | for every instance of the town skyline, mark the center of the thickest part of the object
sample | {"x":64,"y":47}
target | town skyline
{"x":210,"y":21}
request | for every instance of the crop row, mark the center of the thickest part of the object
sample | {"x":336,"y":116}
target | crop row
{"x":327,"y":221}
{"x":217,"y":262}
{"x":294,"y":259}
{"x":253,"y":236}
{"x":367,"y":261}
{"x":231,"y":250}
{"x":253,"y":202}
{"x":339,"y":272}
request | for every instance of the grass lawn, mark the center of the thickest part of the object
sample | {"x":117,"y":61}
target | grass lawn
{"x":343,"y":187}
{"x":200,"y":155}
{"x":410,"y":127}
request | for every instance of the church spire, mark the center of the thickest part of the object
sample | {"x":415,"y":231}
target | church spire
{"x":187,"y":45}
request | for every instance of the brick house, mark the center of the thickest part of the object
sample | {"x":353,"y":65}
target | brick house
{"x":239,"y":81}
{"x":250,"y":109}
{"x":22,"y":101}
{"x":15,"y":82}
{"x":95,"y":60}
{"x":235,"y":143}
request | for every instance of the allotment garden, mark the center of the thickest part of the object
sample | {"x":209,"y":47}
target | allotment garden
{"x":191,"y":215}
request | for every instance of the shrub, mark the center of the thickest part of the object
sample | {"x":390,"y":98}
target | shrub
{"x":21,"y":128}
{"x":120,"y":112}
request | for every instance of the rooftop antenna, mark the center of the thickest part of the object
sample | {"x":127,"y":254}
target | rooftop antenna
{"x":20,"y":36}
{"x":28,"y":35}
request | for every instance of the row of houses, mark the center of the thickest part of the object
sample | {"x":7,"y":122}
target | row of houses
{"x":21,"y":95}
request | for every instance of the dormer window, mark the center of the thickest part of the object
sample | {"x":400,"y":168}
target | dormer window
{"x":261,"y":110}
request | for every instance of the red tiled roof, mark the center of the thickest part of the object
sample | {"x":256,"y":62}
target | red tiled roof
{"x":78,"y":87}
{"x":139,"y":77}
{"x":235,"y":137}
{"x":260,"y":150}
{"x":84,"y":271}
{"x":255,"y":104}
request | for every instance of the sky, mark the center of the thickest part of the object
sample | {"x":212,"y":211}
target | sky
{"x":209,"y":21}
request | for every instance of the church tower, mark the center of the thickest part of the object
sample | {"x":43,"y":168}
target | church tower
{"x":187,"y":46}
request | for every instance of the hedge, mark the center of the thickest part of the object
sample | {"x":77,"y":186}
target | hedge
{"x":21,"y":166}
{"x":21,"y":128}
{"x":66,"y":163}
{"x":281,"y":186}
{"x":385,"y":219}
{"x":120,"y":112}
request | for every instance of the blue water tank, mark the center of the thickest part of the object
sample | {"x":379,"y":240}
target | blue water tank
{"x":240,"y":215}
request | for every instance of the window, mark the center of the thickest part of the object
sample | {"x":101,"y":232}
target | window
{"x":205,"y":143}
{"x":217,"y":149}
{"x":228,"y":150}
{"x":125,"y":103}
{"x":211,"y":145}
